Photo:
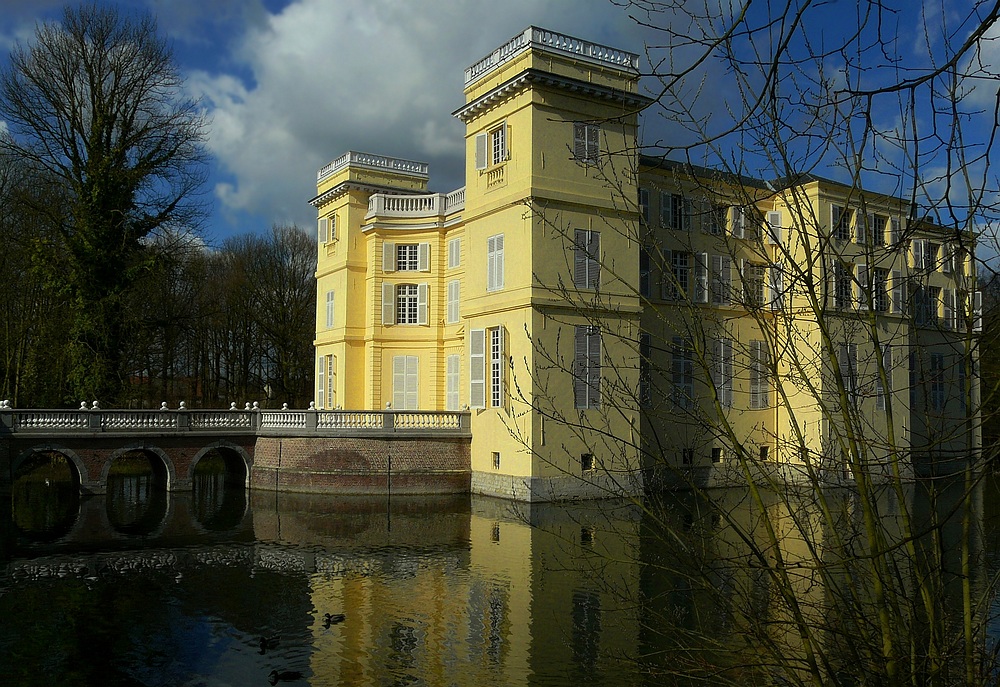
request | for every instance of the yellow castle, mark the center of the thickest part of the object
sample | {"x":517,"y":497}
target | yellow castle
{"x":614,"y":322}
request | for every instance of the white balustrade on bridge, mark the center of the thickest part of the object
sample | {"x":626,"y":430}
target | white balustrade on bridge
{"x":253,"y":420}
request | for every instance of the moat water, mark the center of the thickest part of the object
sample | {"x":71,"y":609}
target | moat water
{"x":222,"y":586}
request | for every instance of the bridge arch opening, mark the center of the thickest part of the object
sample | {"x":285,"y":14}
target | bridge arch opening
{"x":136,"y":495}
{"x":45,"y":494}
{"x":219,"y":478}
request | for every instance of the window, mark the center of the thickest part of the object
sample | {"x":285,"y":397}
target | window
{"x":843,"y":278}
{"x":496,"y":466}
{"x":587,"y":367}
{"x":723,"y":371}
{"x":918,"y":247}
{"x":863,"y":288}
{"x":498,"y":144}
{"x":587,"y":462}
{"x":840,"y":222}
{"x":878,"y":223}
{"x":408,"y":257}
{"x":895,"y":232}
{"x":931,"y":256}
{"x":586,"y":261}
{"x":776,"y":287}
{"x":881,"y":290}
{"x":682,"y":372}
{"x":452,"y":377}
{"x":847,"y":360}
{"x":329,"y":309}
{"x":716,"y":454}
{"x":937,"y":381}
{"x":737,"y":221}
{"x":454,"y":291}
{"x":326,"y":382}
{"x":753,"y":284}
{"x":701,"y":278}
{"x":498,"y":359}
{"x":404,"y":382}
{"x":898,"y":293}
{"x":644,"y":204}
{"x":675,"y":211}
{"x":586,"y":142}
{"x":454,"y":253}
{"x":882,"y":391}
{"x":760,"y":385}
{"x":404,"y":303}
{"x":715,"y":221}
{"x":925,"y":304}
{"x":950,"y":309}
{"x":494,"y":263}
{"x":764,"y":451}
{"x":722,"y":279}
{"x":678,"y":285}
{"x":687,"y":456}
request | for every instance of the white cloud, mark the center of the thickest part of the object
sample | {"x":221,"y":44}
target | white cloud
{"x":379,"y":76}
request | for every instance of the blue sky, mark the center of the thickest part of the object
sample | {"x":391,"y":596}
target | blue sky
{"x":289,"y":85}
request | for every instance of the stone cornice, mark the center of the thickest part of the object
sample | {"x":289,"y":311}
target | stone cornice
{"x":343,"y":187}
{"x":537,"y":77}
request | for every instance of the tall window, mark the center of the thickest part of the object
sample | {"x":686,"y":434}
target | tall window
{"x":760,"y":385}
{"x":404,"y":382}
{"x":494,"y":263}
{"x":753,"y":284}
{"x":498,"y":359}
{"x":645,"y":370}
{"x":406,"y":304}
{"x":878,"y":223}
{"x":321,"y":381}
{"x":723,"y":371}
{"x":679,"y":284}
{"x":329,"y":309}
{"x":587,"y":367}
{"x":644,"y":204}
{"x":881,"y":288}
{"x":840,"y":222}
{"x":586,"y":142}
{"x":498,"y":144}
{"x":682,"y":372}
{"x":644,"y":286}
{"x":586,"y":260}
{"x":409,"y":257}
{"x":843,"y":281}
{"x":406,"y":257}
{"x":452,"y":377}
{"x":675,"y":211}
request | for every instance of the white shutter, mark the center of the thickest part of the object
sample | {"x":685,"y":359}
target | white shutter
{"x":422,"y":303}
{"x":481,"y":150}
{"x":423,"y":257}
{"x":411,"y":401}
{"x":593,"y":141}
{"x":919,"y":249}
{"x":894,"y":233}
{"x":399,"y":382}
{"x":977,"y":311}
{"x":947,"y":258}
{"x":454,"y":253}
{"x":323,"y":229}
{"x":320,"y":382}
{"x":861,"y":229}
{"x":862,"y":287}
{"x":388,"y":256}
{"x":329,"y":309}
{"x":776,"y":287}
{"x":498,"y":261}
{"x":898,"y":305}
{"x":452,"y":372}
{"x":666,"y":210}
{"x":331,"y":381}
{"x":774,"y":228}
{"x":388,"y":303}
{"x":580,"y":261}
{"x":950,"y":311}
{"x":477,"y":368}
{"x":454,"y":291}
{"x":701,"y":278}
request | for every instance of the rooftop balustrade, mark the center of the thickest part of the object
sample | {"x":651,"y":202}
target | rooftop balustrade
{"x":376,"y":162}
{"x":413,"y":206}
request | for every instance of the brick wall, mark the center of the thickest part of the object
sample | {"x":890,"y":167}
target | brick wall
{"x":356,"y":465}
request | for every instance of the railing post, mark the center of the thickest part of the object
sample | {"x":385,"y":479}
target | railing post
{"x":389,"y":420}
{"x":7,"y":419}
{"x":95,"y":420}
{"x":183,"y":417}
{"x":312,"y":418}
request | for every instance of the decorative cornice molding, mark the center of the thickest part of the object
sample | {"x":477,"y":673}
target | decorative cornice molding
{"x":537,"y":77}
{"x":343,"y":187}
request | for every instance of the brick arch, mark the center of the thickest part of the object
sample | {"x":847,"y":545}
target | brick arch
{"x":75,"y":461}
{"x":223,"y":444}
{"x":142,"y":447}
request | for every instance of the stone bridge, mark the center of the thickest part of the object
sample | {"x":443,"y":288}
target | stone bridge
{"x":286,"y":450}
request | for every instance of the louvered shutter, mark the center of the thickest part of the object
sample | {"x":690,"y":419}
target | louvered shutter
{"x":481,"y":151}
{"x":388,"y":257}
{"x":477,"y":368}
{"x":898,"y":303}
{"x":323,"y":229}
{"x":424,"y":257}
{"x":580,"y":368}
{"x":774,"y":229}
{"x":388,"y":303}
{"x":701,"y":278}
{"x":399,"y":382}
{"x":863,"y":287}
{"x":422,"y":292}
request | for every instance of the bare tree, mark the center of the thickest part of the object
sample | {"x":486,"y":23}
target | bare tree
{"x":96,"y":102}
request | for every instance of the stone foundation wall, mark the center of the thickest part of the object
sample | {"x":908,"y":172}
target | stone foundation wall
{"x":357,"y":465}
{"x":561,"y":488}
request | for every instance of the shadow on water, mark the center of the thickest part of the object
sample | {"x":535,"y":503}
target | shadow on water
{"x":45,"y":497}
{"x":136,"y":494}
{"x":220,"y":495}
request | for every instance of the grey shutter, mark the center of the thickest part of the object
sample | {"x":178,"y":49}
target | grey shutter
{"x":481,"y":151}
{"x":422,"y":291}
{"x":477,"y":368}
{"x":388,"y":256}
{"x":424,"y":257}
